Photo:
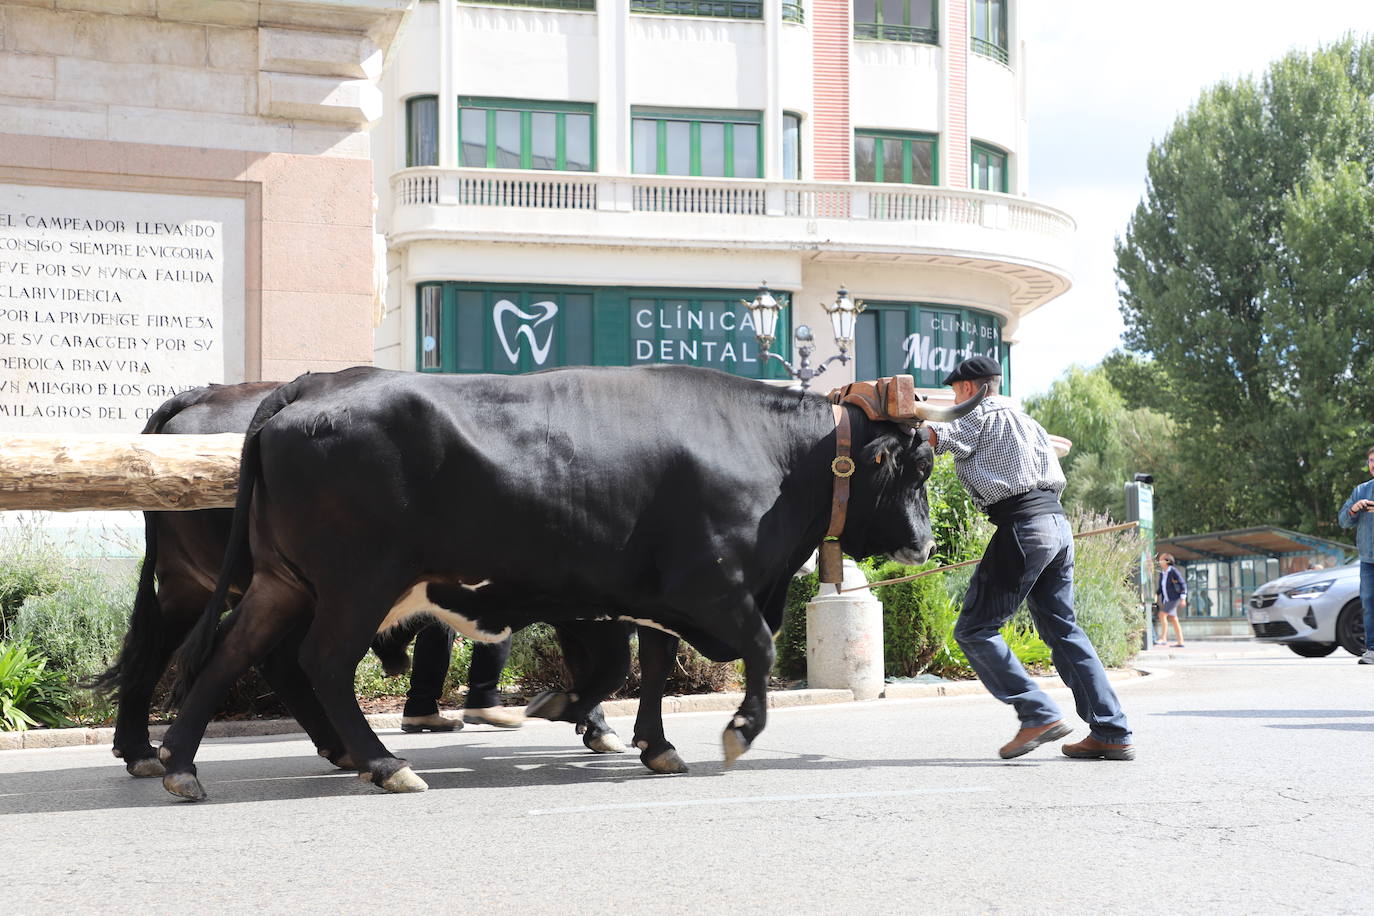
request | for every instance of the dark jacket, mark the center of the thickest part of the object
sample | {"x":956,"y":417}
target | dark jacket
{"x":1171,"y":587}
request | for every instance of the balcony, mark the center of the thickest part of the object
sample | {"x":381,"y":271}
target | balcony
{"x":1028,"y":243}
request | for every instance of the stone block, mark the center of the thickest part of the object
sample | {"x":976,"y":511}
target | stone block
{"x":319,"y":54}
{"x":332,"y":142}
{"x":290,"y":368}
{"x":113,"y":39}
{"x":232,"y":49}
{"x":115,"y":7}
{"x":303,"y":189}
{"x":27,"y":75}
{"x":206,"y":90}
{"x":318,"y":98}
{"x":54,"y":737}
{"x":211,"y":12}
{"x":188,"y":128}
{"x":81,"y":80}
{"x":11,"y":741}
{"x":55,"y":119}
{"x":302,"y":326}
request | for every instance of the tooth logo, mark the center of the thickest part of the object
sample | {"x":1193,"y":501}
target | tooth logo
{"x":541,"y":313}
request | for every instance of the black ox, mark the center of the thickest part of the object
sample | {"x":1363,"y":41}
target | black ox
{"x":682,"y":498}
{"x":182,"y":558}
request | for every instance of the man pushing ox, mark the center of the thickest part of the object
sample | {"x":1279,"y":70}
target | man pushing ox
{"x":1005,"y":461}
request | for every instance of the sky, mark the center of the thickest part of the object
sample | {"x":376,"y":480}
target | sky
{"x":1101,"y":88}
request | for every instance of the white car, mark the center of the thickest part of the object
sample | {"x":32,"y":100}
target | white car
{"x":1311,"y":612}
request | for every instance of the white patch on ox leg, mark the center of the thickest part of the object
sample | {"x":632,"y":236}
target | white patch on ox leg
{"x":416,"y":601}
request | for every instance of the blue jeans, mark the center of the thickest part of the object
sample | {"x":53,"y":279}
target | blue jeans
{"x":1367,"y":599}
{"x":1032,"y":560}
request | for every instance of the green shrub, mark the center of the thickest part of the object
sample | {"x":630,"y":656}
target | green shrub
{"x":78,"y":625}
{"x":910,"y":640}
{"x":30,"y":564}
{"x":1106,"y":598}
{"x":790,"y":645}
{"x":30,"y":693}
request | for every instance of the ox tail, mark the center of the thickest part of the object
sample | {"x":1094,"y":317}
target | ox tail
{"x":199,"y":644}
{"x":140,"y":658}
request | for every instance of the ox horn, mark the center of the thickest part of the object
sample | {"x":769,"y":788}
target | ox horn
{"x":926,"y":412}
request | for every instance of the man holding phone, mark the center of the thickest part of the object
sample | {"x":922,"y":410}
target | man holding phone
{"x":1357,"y":514}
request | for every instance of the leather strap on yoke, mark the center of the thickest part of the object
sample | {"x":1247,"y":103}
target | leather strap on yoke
{"x":831,"y":565}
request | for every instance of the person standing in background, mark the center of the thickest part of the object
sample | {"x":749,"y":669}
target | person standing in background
{"x":1172,"y":593}
{"x":1355,"y":513}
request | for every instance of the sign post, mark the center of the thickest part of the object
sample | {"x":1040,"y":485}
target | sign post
{"x":1140,"y":507}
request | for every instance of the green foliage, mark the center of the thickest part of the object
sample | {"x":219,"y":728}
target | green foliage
{"x":1111,"y":441}
{"x":909,"y":608}
{"x":30,"y":693}
{"x":79,"y":625}
{"x":30,"y":564}
{"x":1106,"y":596}
{"x":790,"y":645}
{"x":954,"y":519}
{"x":1245,"y":275}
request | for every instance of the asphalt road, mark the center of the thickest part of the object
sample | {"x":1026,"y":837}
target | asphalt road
{"x":1252,"y":793}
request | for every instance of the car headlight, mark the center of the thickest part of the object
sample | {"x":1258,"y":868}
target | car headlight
{"x":1307,"y":592}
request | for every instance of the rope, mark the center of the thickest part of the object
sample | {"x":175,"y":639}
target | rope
{"x":928,"y":572}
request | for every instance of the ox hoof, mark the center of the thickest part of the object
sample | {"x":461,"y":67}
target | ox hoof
{"x":164,"y":753}
{"x":667,"y":762}
{"x":551,"y":704}
{"x":145,"y":768}
{"x":604,"y":743}
{"x":735,"y":744}
{"x":183,"y":785}
{"x":404,"y":780}
{"x":117,"y":752}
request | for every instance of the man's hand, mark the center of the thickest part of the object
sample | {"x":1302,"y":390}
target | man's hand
{"x":1361,"y":506}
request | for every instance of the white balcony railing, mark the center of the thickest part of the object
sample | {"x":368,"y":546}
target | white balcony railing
{"x":724,"y":197}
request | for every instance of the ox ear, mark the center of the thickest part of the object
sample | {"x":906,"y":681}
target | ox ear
{"x":886,"y":451}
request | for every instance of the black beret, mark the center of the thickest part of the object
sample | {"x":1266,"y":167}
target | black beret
{"x":975,"y":367}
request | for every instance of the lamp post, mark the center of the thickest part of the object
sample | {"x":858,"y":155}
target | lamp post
{"x":843,"y":316}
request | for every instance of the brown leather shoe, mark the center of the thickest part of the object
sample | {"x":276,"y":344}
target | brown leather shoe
{"x":499,"y":716}
{"x":436,"y":722}
{"x":1031,"y":737}
{"x":1092,"y":749}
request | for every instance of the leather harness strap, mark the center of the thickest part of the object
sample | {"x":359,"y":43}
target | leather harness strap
{"x":831,"y":563}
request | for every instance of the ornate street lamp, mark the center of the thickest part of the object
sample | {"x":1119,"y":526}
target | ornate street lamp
{"x":843,"y":315}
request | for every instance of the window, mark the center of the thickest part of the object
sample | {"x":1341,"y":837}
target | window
{"x":422,"y":130}
{"x":897,"y":20}
{"x":511,"y":328}
{"x":548,"y":4}
{"x":990,"y":29}
{"x":989,"y":168}
{"x":923,"y":340}
{"x":718,"y":144}
{"x":791,"y":147}
{"x":513,"y":134}
{"x":725,"y":9}
{"x":431,"y":336}
{"x":895,"y":158}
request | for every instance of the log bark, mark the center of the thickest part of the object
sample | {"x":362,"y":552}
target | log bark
{"x":69,"y":473}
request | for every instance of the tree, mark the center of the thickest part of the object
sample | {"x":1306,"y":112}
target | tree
{"x":1111,"y":443}
{"x":1245,"y":274}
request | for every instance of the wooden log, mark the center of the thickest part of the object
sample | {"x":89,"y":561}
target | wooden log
{"x":68,"y":473}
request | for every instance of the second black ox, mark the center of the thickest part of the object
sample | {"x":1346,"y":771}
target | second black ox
{"x":683,"y":498}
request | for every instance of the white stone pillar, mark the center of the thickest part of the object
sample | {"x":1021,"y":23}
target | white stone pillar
{"x":772,"y":113}
{"x":844,"y":638}
{"x":612,"y":110}
{"x":448,"y":78}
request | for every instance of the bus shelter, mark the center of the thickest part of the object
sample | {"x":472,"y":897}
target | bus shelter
{"x":1223,"y":568}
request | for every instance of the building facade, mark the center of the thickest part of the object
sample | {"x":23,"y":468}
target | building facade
{"x":603,"y":181}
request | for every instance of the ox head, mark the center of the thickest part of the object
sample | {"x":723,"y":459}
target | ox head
{"x":889,"y":513}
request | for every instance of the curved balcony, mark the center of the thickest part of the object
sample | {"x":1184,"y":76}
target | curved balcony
{"x":1029,"y":244}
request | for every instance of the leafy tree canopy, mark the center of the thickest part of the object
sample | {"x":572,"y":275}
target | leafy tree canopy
{"x":1247,"y":276}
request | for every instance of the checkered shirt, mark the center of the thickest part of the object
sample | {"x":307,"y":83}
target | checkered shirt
{"x":999,"y":452}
